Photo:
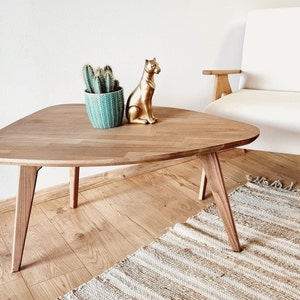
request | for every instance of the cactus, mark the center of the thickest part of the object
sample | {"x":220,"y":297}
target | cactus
{"x":88,"y":75}
{"x":109,"y":79}
{"x":100,"y":81}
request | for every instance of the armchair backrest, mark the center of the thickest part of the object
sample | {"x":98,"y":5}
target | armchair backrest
{"x":271,"y":51}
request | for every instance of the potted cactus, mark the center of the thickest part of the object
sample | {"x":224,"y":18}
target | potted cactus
{"x":104,"y":97}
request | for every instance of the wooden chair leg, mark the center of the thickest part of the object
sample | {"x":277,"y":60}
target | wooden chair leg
{"x":74,"y":184}
{"x":203,"y":184}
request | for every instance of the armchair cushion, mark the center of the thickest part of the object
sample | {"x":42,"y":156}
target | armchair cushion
{"x":276,"y":114}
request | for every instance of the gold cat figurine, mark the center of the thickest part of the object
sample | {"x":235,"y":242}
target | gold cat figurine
{"x":139,"y":103}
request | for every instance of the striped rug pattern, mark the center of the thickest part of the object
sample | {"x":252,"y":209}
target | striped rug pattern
{"x":194,"y":261}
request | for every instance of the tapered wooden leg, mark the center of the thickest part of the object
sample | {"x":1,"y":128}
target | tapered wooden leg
{"x":74,"y":183}
{"x":27,"y":182}
{"x":203,"y":184}
{"x":214,"y":175}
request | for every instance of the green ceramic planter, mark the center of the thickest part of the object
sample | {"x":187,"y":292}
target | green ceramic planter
{"x":105,"y":110}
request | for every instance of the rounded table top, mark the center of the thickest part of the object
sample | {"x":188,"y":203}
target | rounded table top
{"x":62,"y":135}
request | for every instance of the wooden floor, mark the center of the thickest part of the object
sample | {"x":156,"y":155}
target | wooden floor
{"x":118,"y":213}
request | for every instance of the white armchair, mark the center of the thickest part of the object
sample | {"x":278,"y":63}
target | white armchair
{"x":269,"y":86}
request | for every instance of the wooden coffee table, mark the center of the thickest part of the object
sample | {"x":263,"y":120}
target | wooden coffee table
{"x":62,"y":136}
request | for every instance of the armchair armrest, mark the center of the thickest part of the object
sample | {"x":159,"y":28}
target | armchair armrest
{"x":222,"y":85}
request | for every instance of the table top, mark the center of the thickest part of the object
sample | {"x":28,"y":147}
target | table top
{"x":62,"y":135}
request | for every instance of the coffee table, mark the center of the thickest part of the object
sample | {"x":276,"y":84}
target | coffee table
{"x":62,"y":136}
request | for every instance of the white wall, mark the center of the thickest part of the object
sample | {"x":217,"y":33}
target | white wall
{"x":44,"y":45}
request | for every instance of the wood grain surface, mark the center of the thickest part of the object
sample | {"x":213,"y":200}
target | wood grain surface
{"x":63,"y":136}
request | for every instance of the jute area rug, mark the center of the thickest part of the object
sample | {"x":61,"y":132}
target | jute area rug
{"x":194,"y":260}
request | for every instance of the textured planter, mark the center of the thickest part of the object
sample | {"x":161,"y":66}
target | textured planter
{"x":105,"y":110}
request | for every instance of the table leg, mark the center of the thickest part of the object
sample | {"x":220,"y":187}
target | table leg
{"x":203,"y":184}
{"x":74,"y":183}
{"x":27,"y":182}
{"x":214,"y":175}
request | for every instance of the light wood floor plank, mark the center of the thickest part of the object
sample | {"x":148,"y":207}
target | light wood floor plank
{"x":6,"y":234}
{"x":84,"y":229}
{"x":15,"y":290}
{"x":46,"y":253}
{"x":50,"y":289}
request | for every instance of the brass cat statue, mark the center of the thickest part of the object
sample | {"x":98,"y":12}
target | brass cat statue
{"x":139,"y":103}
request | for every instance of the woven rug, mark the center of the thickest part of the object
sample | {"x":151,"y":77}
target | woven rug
{"x":193,"y":260}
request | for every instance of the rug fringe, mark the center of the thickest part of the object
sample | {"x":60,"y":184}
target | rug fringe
{"x":277,"y":184}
